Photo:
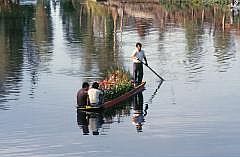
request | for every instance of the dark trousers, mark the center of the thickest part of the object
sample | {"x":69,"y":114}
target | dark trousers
{"x":138,"y":72}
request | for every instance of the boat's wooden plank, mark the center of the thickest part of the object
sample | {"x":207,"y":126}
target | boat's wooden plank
{"x":124,"y":96}
{"x":90,"y":108}
{"x":115,"y":101}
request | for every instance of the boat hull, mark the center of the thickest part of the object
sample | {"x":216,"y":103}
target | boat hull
{"x":117,"y":100}
{"x":125,"y":96}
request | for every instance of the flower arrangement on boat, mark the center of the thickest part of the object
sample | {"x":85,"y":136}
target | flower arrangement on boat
{"x":117,"y":82}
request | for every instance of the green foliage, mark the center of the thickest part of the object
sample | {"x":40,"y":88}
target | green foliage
{"x":117,"y":82}
{"x":117,"y":90}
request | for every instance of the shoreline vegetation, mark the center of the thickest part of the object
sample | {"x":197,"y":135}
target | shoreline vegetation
{"x":170,"y":2}
{"x":197,"y":3}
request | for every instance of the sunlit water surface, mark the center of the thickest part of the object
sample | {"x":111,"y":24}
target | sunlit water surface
{"x":45,"y":56}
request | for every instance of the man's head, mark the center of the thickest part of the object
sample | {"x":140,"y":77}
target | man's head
{"x":85,"y":85}
{"x":138,"y":46}
{"x":95,"y":85}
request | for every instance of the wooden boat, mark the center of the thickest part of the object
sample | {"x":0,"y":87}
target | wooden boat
{"x":115,"y":101}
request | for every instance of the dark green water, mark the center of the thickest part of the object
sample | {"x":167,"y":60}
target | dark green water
{"x":48,"y":49}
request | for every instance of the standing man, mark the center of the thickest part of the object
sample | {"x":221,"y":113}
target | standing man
{"x":137,"y":56}
{"x":82,"y":95}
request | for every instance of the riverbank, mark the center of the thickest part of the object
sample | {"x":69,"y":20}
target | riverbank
{"x":193,"y":3}
{"x":180,"y":2}
{"x":197,"y":2}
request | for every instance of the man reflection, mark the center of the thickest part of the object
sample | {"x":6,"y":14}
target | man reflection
{"x":95,"y":122}
{"x":82,"y":120}
{"x":88,"y":120}
{"x":139,"y":113}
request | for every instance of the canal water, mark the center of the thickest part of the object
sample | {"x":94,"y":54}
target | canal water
{"x":47,"y":49}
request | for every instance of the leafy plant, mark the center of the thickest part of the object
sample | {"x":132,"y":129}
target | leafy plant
{"x":117,"y":82}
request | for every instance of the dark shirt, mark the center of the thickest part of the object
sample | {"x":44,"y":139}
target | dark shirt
{"x":82,"y":97}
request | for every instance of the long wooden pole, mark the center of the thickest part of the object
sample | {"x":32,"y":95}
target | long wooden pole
{"x":152,"y":70}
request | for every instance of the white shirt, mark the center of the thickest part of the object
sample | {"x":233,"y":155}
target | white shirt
{"x":94,"y":95}
{"x":138,"y":54}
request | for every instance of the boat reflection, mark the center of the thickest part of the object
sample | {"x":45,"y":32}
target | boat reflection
{"x":97,"y":123}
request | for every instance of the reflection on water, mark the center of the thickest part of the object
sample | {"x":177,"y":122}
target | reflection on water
{"x":11,"y":60}
{"x":139,"y":114}
{"x":104,"y":24}
{"x":96,"y":123}
{"x":93,"y":32}
{"x":26,"y":46}
{"x":91,"y":29}
{"x":49,"y":48}
{"x":92,"y":120}
{"x":155,"y":92}
{"x":223,"y":43}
